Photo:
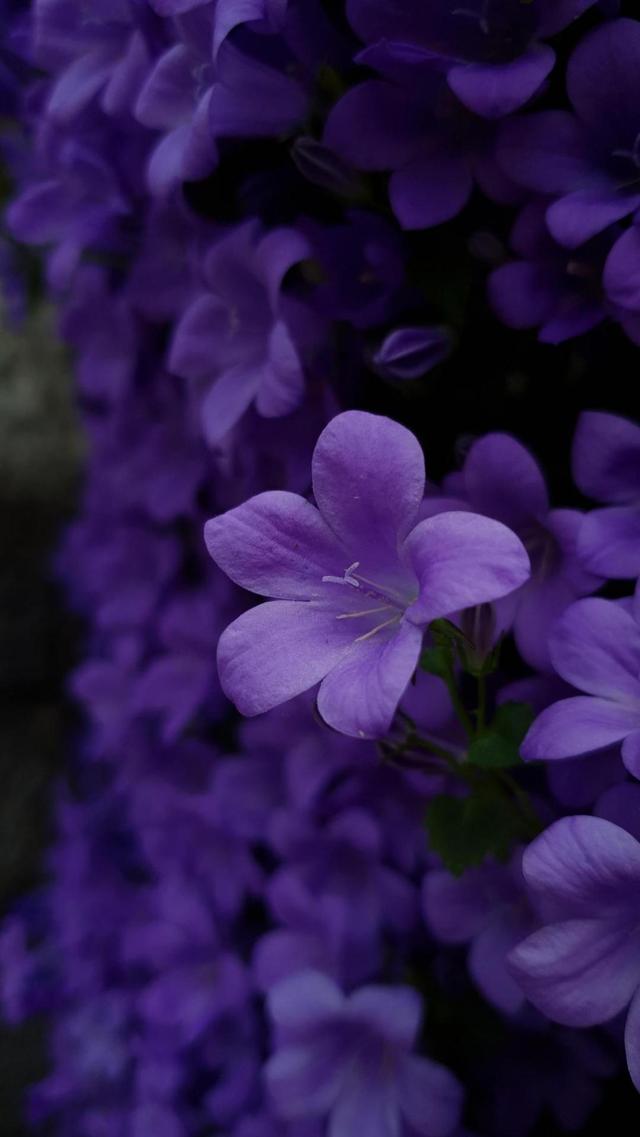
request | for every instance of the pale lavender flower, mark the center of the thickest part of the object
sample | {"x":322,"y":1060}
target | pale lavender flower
{"x":354,"y":581}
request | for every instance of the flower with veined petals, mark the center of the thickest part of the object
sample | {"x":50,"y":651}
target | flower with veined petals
{"x":354,"y":582}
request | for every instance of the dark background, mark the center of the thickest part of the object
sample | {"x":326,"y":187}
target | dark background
{"x":39,"y":458}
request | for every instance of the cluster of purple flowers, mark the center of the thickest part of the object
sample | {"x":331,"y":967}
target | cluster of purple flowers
{"x":246,"y":927}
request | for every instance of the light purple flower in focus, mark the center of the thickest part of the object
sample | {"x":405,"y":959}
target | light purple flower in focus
{"x":354,"y":582}
{"x":350,"y":1059}
{"x":583,"y":967}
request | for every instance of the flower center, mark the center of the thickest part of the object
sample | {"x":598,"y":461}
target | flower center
{"x":389,"y":606}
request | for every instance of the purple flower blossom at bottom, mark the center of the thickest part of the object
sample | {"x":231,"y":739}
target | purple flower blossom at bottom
{"x":583,"y":966}
{"x":350,"y":1059}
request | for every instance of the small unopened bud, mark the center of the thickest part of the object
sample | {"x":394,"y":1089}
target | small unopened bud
{"x":319,"y":165}
{"x":408,"y":353}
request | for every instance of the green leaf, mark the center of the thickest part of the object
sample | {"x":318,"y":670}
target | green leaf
{"x":436,"y":660}
{"x":464,"y":831}
{"x":498,"y":747}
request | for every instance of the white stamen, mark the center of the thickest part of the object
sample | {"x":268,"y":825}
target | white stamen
{"x":346,"y":579}
{"x":365,"y":612}
{"x":385,"y":624}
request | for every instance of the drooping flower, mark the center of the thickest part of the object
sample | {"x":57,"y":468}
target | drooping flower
{"x":354,"y":583}
{"x":350,"y":1059}
{"x":583,"y":966}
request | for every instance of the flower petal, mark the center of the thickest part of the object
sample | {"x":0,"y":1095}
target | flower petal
{"x":488,"y":960}
{"x":282,"y":387}
{"x":583,"y":866}
{"x":595,"y":646}
{"x":367,"y":1106}
{"x":606,"y":457}
{"x":609,"y":541}
{"x":368,"y":481}
{"x":503,"y":480}
{"x":579,"y":216}
{"x":580,"y":972}
{"x":497,"y":89}
{"x":578,"y":726}
{"x":430,"y":189}
{"x":372,"y":126}
{"x":603,"y":79}
{"x":462,"y":559}
{"x":546,"y":152}
{"x":393,"y":1012}
{"x":360,"y":695}
{"x":430,"y":1097}
{"x":301,"y":1001}
{"x":278,"y":650}
{"x":275,"y":544}
{"x":229,"y":396}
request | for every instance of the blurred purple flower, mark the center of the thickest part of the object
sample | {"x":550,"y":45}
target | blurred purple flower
{"x":588,"y":160}
{"x":497,"y":61}
{"x":606,"y":466}
{"x":234,"y":338}
{"x":350,"y":1059}
{"x":583,"y":967}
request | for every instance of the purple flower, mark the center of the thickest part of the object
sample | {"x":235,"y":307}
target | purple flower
{"x":349,"y":1059}
{"x":340,"y":869}
{"x":412,"y":124}
{"x":595,"y":646}
{"x":362,"y":265}
{"x":354,"y":583}
{"x":181,"y":679}
{"x":101,"y":327}
{"x":175,"y":99}
{"x":487,"y":907}
{"x":501,"y":479}
{"x":588,"y":160}
{"x":606,"y":466}
{"x":76,"y":201}
{"x":497,"y":61}
{"x":557,"y":291}
{"x":583,"y":967}
{"x":102,"y":54}
{"x":234,"y":339}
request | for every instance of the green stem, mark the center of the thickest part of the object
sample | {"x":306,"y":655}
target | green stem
{"x":527,"y":811}
{"x":414,"y":742}
{"x":481,"y":711}
{"x":458,"y":705}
